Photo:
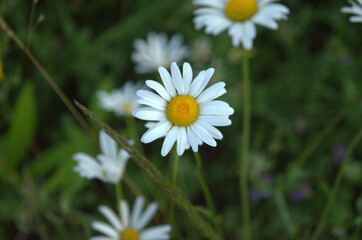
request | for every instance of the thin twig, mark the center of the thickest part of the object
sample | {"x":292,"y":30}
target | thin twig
{"x":336,"y":185}
{"x":48,"y":78}
{"x":314,"y":144}
{"x":155,"y":175}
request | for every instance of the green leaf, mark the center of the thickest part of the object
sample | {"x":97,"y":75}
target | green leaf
{"x":22,"y":127}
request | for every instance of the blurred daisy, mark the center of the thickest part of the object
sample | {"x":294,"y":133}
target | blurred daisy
{"x":201,"y":49}
{"x":239,"y":17}
{"x":120,"y":101}
{"x":131,"y":226}
{"x":157,"y":51}
{"x":355,"y":9}
{"x":108,"y":166}
{"x":184,"y":110}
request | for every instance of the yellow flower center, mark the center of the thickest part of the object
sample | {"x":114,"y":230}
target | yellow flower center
{"x":129,"y":234}
{"x":182,"y":110}
{"x":127,"y":107}
{"x":241,"y":10}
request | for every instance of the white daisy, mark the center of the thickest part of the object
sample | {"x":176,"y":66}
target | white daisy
{"x":157,"y":51}
{"x":239,"y":17}
{"x":108,"y":167}
{"x":201,"y":49}
{"x":183,"y":110}
{"x":355,"y":9}
{"x":120,"y":101}
{"x":131,"y":226}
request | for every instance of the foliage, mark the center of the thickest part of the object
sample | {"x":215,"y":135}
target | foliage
{"x":303,"y":76}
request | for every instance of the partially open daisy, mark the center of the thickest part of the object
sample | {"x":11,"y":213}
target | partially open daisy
{"x":356,"y":9}
{"x":108,"y":167}
{"x":132,"y":225}
{"x":184,"y":110}
{"x":120,"y":101}
{"x":239,"y":17}
{"x":157,"y":51}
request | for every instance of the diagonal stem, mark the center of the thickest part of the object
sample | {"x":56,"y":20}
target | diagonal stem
{"x":243,"y":174}
{"x":336,"y":185}
{"x":49,"y":79}
{"x":155,"y":175}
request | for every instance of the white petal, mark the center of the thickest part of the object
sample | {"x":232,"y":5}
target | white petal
{"x":105,"y":229}
{"x":181,"y":141}
{"x":211,"y":3}
{"x":208,"y":74}
{"x":87,"y":166}
{"x":124,"y":212}
{"x":216,"y":108}
{"x":177,"y":78}
{"x":356,"y":19}
{"x":193,"y":139}
{"x":157,"y":233}
{"x":148,"y":214}
{"x":167,"y":81}
{"x":204,"y":135}
{"x":152,"y":104}
{"x":187,"y":76}
{"x":236,"y":33}
{"x":149,"y":114}
{"x":169,"y":141}
{"x":159,"y":89}
{"x":101,"y":238}
{"x":111,"y":217}
{"x":152,"y":98}
{"x":212,"y":92}
{"x":156,"y":131}
{"x":196,"y":84}
{"x":215,"y":133}
{"x":136,"y":211}
{"x":108,"y":145}
{"x":218,"y":121}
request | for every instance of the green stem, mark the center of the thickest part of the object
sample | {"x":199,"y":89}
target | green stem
{"x":314,"y":144}
{"x":336,"y":185}
{"x":245,"y":149}
{"x":119,"y":196}
{"x":174,"y":179}
{"x":205,"y":189}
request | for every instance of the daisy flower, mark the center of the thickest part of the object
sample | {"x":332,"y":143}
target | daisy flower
{"x":201,"y":49}
{"x":355,"y":9}
{"x":108,"y":166}
{"x":185,"y":112}
{"x":131,"y":226}
{"x":120,"y":101}
{"x":239,"y":17}
{"x":157,"y":51}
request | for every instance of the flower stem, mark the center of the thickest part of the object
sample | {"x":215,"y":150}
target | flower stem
{"x":119,"y":196}
{"x":245,"y":149}
{"x":336,"y":185}
{"x":205,"y":189}
{"x":209,"y":202}
{"x":174,"y":179}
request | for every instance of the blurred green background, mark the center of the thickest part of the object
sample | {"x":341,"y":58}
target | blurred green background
{"x":303,"y":75}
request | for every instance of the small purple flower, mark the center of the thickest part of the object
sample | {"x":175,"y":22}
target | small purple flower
{"x":301,"y":193}
{"x":256,"y":196}
{"x":338,"y":154}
